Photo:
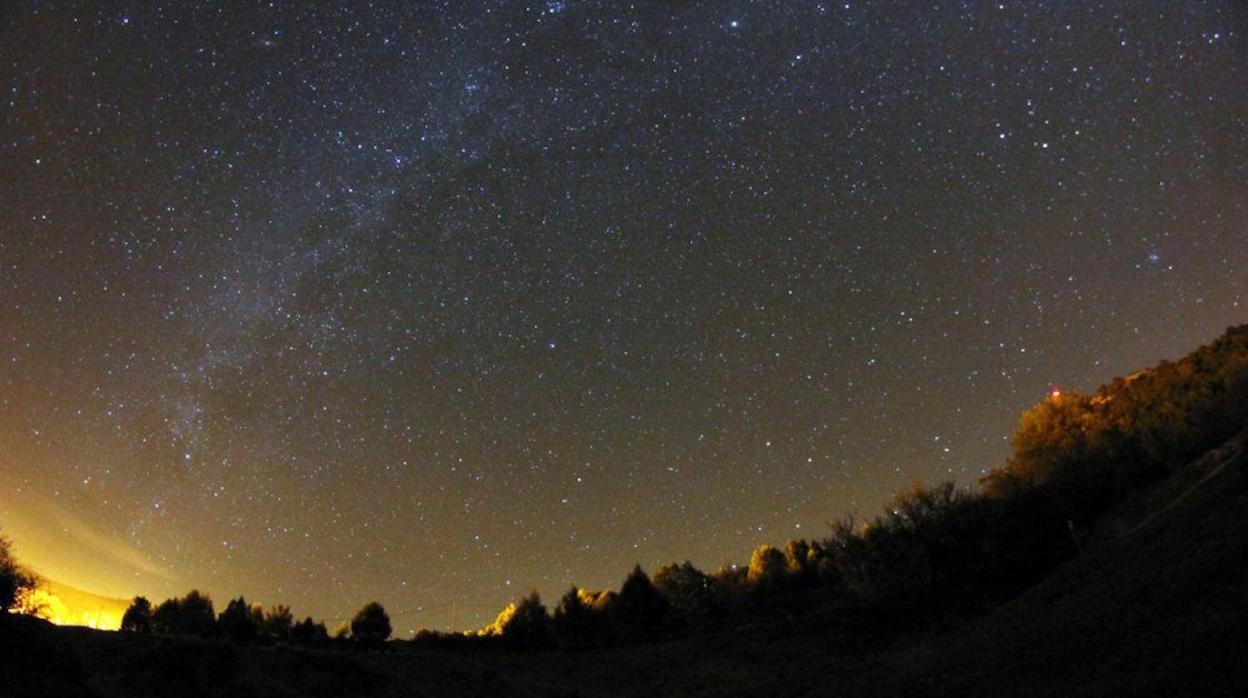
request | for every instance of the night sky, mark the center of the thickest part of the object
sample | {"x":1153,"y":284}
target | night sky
{"x":438,"y":302}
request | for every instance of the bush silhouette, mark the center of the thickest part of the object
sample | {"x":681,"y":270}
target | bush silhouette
{"x":371,"y":624}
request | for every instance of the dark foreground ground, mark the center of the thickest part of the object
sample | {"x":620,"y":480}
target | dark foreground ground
{"x":1159,"y":606}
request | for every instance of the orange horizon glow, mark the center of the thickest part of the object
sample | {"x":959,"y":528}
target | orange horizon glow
{"x":63,"y":605}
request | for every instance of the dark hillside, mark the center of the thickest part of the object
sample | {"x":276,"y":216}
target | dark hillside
{"x":1159,"y":611}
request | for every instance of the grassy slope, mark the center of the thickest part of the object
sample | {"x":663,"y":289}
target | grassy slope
{"x":1155,"y":607}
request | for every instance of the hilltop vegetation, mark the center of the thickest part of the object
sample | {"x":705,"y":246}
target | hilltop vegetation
{"x":935,"y":554}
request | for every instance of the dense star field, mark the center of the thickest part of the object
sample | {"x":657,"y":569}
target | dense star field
{"x":431,"y":303}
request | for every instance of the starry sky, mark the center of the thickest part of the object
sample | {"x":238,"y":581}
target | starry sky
{"x":435,"y":302}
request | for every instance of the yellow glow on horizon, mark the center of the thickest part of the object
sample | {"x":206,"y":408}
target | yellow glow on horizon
{"x":62,"y":544}
{"x":45,"y":603}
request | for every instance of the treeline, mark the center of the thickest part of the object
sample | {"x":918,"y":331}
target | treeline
{"x":935,"y":555}
{"x":245,"y":623}
{"x":1092,"y":451}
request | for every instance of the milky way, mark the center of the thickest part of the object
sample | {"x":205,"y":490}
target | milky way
{"x":432,"y":303}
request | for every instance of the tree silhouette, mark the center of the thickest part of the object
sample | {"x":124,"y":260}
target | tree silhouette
{"x":575,"y":621}
{"x":166,"y":616}
{"x":529,"y":624}
{"x":138,"y":617}
{"x":728,"y":585}
{"x":767,"y":568}
{"x":822,"y":566}
{"x":198,"y":617}
{"x":371,"y":624}
{"x":308,"y":632}
{"x":14,"y":581}
{"x":238,"y":621}
{"x":797,"y":560}
{"x":191,"y":615}
{"x":277,"y":623}
{"x":687,"y":589}
{"x":639,"y":611}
